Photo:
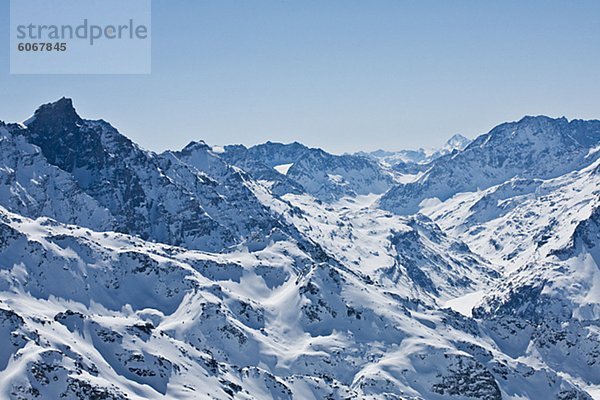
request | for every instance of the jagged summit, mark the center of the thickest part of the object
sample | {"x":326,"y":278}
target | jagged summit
{"x":62,"y":105}
{"x":59,"y":115}
{"x":541,"y":118}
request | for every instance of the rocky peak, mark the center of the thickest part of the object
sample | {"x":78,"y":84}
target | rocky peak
{"x":57,"y":116}
{"x":65,"y":139}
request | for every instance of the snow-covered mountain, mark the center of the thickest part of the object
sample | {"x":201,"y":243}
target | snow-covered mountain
{"x":313,"y":171}
{"x":534,"y":147}
{"x":284,"y":272}
{"x":202,"y":203}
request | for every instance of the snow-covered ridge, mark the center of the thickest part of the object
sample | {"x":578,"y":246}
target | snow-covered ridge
{"x":534,"y":147}
{"x":325,"y":176}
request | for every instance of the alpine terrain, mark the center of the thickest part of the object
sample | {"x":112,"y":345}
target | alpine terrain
{"x":280,"y":271}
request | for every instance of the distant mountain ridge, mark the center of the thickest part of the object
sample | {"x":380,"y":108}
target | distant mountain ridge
{"x":420,"y":156}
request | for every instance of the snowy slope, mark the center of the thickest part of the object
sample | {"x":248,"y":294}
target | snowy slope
{"x":545,"y":235}
{"x":269,"y":324}
{"x":409,"y":255}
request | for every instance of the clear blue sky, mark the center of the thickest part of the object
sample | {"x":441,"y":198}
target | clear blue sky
{"x":343,"y":75}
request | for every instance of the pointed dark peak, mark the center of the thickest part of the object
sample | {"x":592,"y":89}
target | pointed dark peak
{"x":64,"y":138}
{"x":60,"y":115}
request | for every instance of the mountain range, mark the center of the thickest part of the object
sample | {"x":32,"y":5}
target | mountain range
{"x":279,"y":271}
{"x":419,"y":156}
